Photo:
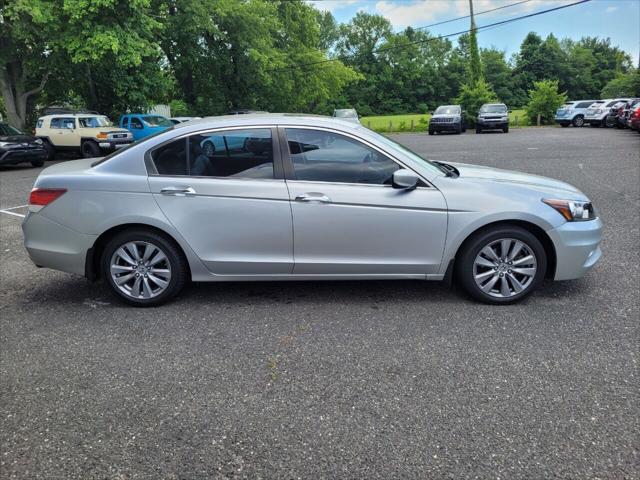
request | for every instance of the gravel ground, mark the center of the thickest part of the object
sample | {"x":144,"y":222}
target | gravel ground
{"x":335,"y":379}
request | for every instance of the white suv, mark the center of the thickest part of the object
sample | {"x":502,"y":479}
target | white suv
{"x":572,"y":113}
{"x":596,"y":114}
{"x":89,"y":134}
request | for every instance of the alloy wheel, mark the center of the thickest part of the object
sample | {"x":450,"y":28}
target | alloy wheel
{"x":505,"y":267}
{"x":140,"y":269}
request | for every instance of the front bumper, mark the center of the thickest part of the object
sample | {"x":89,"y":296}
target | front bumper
{"x":452,"y":126}
{"x":114,"y":144}
{"x":14,"y":155}
{"x":492,"y":124}
{"x":52,"y":245}
{"x":577,"y":247}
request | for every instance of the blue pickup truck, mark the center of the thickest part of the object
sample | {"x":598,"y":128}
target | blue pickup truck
{"x":142,"y":125}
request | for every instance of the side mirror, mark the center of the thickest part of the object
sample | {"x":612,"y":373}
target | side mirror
{"x":404,"y":179}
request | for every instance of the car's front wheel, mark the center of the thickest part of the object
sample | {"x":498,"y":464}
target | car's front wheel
{"x":578,"y":121}
{"x":143,"y":267}
{"x":502,"y":265}
{"x":90,"y":149}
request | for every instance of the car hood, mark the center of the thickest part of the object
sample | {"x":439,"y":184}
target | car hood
{"x":17,"y":138}
{"x":525,"y":180}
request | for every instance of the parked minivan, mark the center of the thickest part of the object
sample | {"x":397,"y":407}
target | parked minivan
{"x":572,"y":113}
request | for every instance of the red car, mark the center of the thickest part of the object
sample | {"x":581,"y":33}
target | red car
{"x":634,"y":119}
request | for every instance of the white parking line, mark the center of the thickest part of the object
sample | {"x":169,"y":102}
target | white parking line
{"x":13,"y":213}
{"x":6,"y":210}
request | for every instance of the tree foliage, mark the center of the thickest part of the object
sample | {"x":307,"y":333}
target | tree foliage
{"x":544,"y":100}
{"x":472,"y":97}
{"x":624,"y":85}
{"x":209,"y":56}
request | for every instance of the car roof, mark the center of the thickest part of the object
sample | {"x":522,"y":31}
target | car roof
{"x":253,"y":119}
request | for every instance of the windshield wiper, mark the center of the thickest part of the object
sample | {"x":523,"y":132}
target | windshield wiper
{"x":449,"y":170}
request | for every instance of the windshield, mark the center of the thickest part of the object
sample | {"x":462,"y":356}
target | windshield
{"x":157,"y":121}
{"x":493,"y":109}
{"x":346,"y":113}
{"x":448,"y":110}
{"x":94,"y":122}
{"x":414,"y":156}
{"x":6,"y":129}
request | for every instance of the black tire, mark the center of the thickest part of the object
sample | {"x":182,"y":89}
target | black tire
{"x":51,"y":151}
{"x":464,"y":265}
{"x":464,"y":128}
{"x":431,"y":132}
{"x":177,"y":261}
{"x":478,"y":130}
{"x":90,"y":149}
{"x":506,"y":129}
{"x":459,"y":129}
{"x":578,"y":121}
{"x":564,"y":124}
{"x":37,"y":163}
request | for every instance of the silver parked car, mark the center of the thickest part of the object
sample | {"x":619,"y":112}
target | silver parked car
{"x":282,"y":197}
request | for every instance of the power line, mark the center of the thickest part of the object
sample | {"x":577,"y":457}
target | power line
{"x":417,"y":42}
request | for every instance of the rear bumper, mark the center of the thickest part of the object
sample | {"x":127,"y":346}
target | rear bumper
{"x":52,"y":245}
{"x":8,"y":157}
{"x":577,"y":247}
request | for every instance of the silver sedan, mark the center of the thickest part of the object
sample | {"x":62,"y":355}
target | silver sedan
{"x":282,"y":197}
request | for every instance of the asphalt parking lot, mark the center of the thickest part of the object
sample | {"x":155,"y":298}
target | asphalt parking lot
{"x":335,"y":380}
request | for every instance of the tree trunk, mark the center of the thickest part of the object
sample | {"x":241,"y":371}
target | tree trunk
{"x":12,"y":85}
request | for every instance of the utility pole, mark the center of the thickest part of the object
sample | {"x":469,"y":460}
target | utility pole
{"x":475,"y":68}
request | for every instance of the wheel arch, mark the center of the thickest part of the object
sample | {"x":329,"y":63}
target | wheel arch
{"x":94,"y":254}
{"x":532,"y":228}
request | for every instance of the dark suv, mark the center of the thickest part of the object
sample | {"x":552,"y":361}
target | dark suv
{"x":493,"y":116}
{"x":447,"y":118}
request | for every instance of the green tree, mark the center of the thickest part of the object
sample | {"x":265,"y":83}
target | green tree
{"x":544,"y":100}
{"x":472,"y":97}
{"x":624,"y":85}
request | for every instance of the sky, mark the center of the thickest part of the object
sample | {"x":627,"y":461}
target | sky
{"x":617,"y":19}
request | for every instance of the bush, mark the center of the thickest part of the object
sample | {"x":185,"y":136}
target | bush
{"x":472,"y":97}
{"x":544,"y":100}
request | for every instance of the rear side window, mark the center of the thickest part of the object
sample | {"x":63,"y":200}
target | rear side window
{"x":39,"y":123}
{"x":584,"y":105}
{"x":231,"y":154}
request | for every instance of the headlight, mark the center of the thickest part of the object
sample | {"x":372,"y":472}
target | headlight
{"x":38,"y":141}
{"x":572,"y":210}
{"x":3,"y":144}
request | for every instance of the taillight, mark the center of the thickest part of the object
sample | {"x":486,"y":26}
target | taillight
{"x":44,"y":196}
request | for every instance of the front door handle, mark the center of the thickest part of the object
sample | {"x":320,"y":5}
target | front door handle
{"x":313,"y":197}
{"x":178,"y":191}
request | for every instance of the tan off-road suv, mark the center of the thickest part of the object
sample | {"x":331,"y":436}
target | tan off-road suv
{"x":90,"y":134}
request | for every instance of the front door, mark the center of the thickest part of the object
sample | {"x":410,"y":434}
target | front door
{"x":225,"y":193}
{"x":348,"y":219}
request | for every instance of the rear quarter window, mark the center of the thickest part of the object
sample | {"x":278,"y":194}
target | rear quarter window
{"x":39,"y":123}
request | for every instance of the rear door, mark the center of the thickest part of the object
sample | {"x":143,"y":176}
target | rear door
{"x":225,"y":193}
{"x":348,"y":219}
{"x":62,"y":132}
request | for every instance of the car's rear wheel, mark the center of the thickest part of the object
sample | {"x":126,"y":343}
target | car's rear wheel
{"x":37,"y":163}
{"x":51,"y":151}
{"x":144,"y":268}
{"x":502,"y":265}
{"x":505,"y":129}
{"x":578,"y":121}
{"x":90,"y":149}
{"x":478,"y":130}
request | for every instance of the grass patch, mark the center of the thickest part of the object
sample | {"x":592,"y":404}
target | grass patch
{"x":403,"y":123}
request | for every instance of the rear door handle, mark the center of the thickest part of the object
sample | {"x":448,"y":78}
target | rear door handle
{"x":313,"y":197}
{"x":178,"y":191}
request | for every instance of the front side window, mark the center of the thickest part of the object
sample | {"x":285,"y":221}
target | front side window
{"x":94,"y":122}
{"x":231,"y":154}
{"x":322,"y":156}
{"x":136,"y":123}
